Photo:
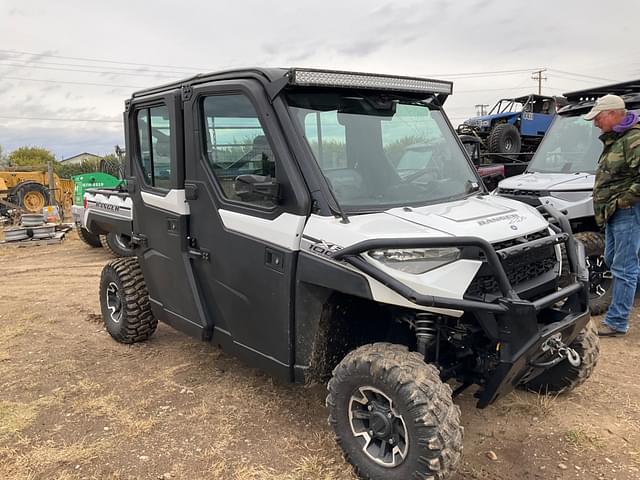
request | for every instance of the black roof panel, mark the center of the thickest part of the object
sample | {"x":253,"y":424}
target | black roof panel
{"x":632,"y":86}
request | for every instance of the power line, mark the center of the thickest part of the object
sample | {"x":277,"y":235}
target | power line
{"x":28,"y":62}
{"x":494,"y":72}
{"x":86,"y":71}
{"x":60,"y":119}
{"x":70,"y":83}
{"x":582,"y":75}
{"x":101,"y":60}
{"x":573,"y":79}
{"x":491,"y":90}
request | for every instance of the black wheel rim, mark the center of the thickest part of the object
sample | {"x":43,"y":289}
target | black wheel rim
{"x":508,"y":145}
{"x":114,"y":303}
{"x":380,"y":429}
{"x":600,"y":277}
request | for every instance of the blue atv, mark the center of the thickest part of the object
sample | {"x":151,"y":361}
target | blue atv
{"x":513,"y":125}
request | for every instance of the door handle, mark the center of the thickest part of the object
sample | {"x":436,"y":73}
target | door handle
{"x":200,"y":254}
{"x":274,"y":259}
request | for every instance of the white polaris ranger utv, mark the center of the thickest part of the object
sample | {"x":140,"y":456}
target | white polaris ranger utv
{"x":273,"y":216}
{"x":562,"y":174}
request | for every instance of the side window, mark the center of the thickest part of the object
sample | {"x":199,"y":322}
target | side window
{"x":236,"y":145}
{"x":154,"y":137}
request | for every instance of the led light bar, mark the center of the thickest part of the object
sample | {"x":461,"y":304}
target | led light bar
{"x":329,"y":78}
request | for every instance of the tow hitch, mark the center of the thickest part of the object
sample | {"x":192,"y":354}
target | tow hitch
{"x":558,"y":349}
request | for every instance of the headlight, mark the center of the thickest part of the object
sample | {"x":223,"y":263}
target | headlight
{"x":416,"y":260}
{"x":573,"y":196}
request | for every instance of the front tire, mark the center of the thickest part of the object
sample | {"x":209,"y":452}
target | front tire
{"x":393,"y":417}
{"x":600,"y":279}
{"x":124,"y":301}
{"x":564,"y":377}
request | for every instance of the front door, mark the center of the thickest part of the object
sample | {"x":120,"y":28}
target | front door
{"x":244,"y":246}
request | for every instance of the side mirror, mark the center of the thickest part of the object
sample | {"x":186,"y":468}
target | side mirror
{"x":257,"y":187}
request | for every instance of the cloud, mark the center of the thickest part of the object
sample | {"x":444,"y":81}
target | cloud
{"x":407,"y":37}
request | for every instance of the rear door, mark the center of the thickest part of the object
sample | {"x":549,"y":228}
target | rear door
{"x":160,"y":216}
{"x":245,"y":246}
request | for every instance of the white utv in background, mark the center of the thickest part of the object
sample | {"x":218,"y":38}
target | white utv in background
{"x":272,"y":217}
{"x":105,"y":220}
{"x":562,"y":174}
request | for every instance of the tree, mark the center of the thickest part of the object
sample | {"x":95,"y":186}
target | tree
{"x":68,"y":171}
{"x":24,"y":156}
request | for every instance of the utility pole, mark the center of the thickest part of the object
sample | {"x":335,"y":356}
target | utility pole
{"x":537,"y":75}
{"x":481,"y":109}
{"x":52,"y":183}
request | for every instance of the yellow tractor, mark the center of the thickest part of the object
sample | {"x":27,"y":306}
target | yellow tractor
{"x":29,"y":191}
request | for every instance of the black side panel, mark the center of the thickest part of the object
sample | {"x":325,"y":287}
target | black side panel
{"x":163,"y":266}
{"x":316,"y":280}
{"x":101,"y":223}
{"x":317,"y":271}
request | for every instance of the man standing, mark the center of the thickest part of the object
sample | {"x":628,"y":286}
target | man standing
{"x":616,"y":201}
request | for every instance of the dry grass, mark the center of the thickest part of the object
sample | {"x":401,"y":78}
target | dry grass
{"x":11,"y":330}
{"x":48,"y":457}
{"x":305,"y":468}
{"x":130,"y":420}
{"x":583,"y":438}
{"x":531,"y":404}
{"x":15,"y":417}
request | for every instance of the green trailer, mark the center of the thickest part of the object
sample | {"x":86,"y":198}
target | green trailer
{"x":91,"y":180}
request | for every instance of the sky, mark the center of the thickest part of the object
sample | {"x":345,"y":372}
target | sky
{"x":66,"y":67}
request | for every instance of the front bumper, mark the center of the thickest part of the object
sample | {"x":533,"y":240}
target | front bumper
{"x":519,"y":327}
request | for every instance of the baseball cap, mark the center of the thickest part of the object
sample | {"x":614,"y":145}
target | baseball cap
{"x":608,"y":102}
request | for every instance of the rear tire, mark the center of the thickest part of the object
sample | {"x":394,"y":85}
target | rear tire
{"x":124,"y":302}
{"x":89,"y":238}
{"x":393,"y":417}
{"x":600,"y":281}
{"x":564,"y":377}
{"x":505,"y":139}
{"x":118,"y":244}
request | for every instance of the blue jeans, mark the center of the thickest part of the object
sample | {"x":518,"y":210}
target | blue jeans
{"x":621,"y":253}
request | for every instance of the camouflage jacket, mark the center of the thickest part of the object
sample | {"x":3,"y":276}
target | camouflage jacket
{"x":618,"y":176}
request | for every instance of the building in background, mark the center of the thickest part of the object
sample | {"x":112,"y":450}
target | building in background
{"x":81,"y":157}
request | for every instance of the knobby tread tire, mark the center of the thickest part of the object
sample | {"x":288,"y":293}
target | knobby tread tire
{"x":564,"y":377}
{"x":594,"y":246}
{"x":89,"y":238}
{"x":498,"y":136}
{"x":110,"y":243}
{"x":137,"y":323}
{"x":432,"y":419}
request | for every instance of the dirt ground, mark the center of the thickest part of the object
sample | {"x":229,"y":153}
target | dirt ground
{"x":74,"y":404}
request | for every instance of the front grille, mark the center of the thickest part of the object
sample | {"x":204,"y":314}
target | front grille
{"x":521,"y":193}
{"x":519,"y":268}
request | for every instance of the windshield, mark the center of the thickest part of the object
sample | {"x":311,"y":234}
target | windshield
{"x":377,"y":151}
{"x":571,"y":145}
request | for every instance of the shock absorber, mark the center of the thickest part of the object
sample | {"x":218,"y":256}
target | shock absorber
{"x":426,"y":331}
